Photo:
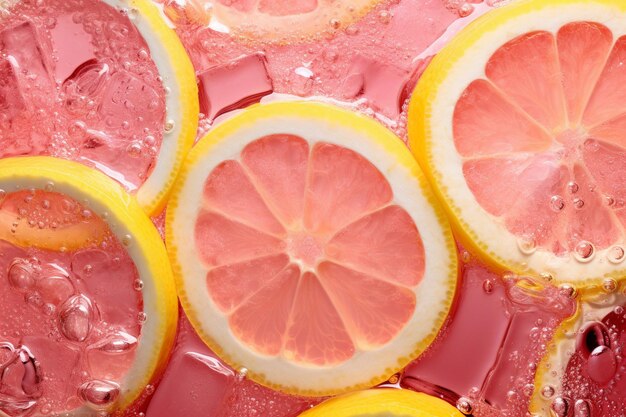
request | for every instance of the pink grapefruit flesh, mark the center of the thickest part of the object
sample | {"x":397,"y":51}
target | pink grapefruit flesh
{"x":308,"y":256}
{"x":542,"y":138}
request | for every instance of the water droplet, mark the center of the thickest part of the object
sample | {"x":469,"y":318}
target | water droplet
{"x":126,"y":240}
{"x":99,"y":393}
{"x":609,"y":285}
{"x":21,"y":274}
{"x":75,"y":318}
{"x":134,"y":149}
{"x":142,"y":317}
{"x":138,"y":285}
{"x":561,"y":407}
{"x":582,"y":408}
{"x":578,"y":203}
{"x":602,"y":365}
{"x":557,"y":203}
{"x":464,"y":405}
{"x":488,"y":286}
{"x":584,"y":251}
{"x":572,"y":187}
{"x":616,"y":254}
{"x":568,"y":290}
{"x":118,"y":342}
{"x":527,"y":245}
{"x":169,"y":126}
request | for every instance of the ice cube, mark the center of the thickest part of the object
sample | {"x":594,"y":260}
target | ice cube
{"x":12,"y":102}
{"x":73,"y":46}
{"x":233,"y":85}
{"x":31,"y":53}
{"x":381,"y":84}
{"x":128,"y":104}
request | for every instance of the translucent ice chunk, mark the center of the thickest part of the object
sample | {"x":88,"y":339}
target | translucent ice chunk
{"x":234,"y":85}
{"x":72,"y":45}
{"x":381,"y":84}
{"x":30,"y":51}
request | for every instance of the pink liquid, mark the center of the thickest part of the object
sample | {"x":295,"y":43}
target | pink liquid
{"x":76,"y":82}
{"x":70,"y":319}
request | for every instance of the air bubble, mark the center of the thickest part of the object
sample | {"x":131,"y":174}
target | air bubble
{"x":126,"y":240}
{"x":584,"y":251}
{"x":609,"y":285}
{"x":21,"y":275}
{"x":582,"y":408}
{"x":334,"y":23}
{"x":465,"y":10}
{"x":385,"y":16}
{"x":619,"y":310}
{"x":134,"y":149}
{"x":568,"y":290}
{"x":610,"y":201}
{"x":99,"y":393}
{"x":578,"y":203}
{"x":241,"y":375}
{"x":572,"y":187}
{"x":464,"y":405}
{"x":616,"y":254}
{"x":75,"y":318}
{"x":527,"y":245}
{"x":138,"y":285}
{"x":142,"y":317}
{"x":149,"y":390}
{"x":561,"y":407}
{"x":169,"y":126}
{"x":488,"y":286}
{"x":557,"y":203}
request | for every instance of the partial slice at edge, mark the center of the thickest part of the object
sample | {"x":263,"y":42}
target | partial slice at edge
{"x":287,"y":223}
{"x":127,"y":221}
{"x":384,"y":402}
{"x":529,"y":168}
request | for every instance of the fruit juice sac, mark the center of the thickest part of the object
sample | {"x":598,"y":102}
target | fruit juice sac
{"x":77,"y":82}
{"x":71,"y":316}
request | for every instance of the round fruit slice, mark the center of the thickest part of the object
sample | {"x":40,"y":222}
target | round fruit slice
{"x":87,"y":298}
{"x":103,"y":82}
{"x":384,"y":402}
{"x":274,"y":20}
{"x":519,"y":123}
{"x":309,"y":249}
{"x":583,"y":367}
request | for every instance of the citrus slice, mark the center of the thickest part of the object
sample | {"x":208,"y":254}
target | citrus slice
{"x":582,"y":367}
{"x":384,"y":402}
{"x":89,"y":323}
{"x":107,"y":84}
{"x":309,"y":249}
{"x":518,"y":123}
{"x":276,"y":20}
{"x":181,"y":101}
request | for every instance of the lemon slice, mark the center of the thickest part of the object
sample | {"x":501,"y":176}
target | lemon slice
{"x":383,"y":402}
{"x":309,"y":249}
{"x":106,"y":210}
{"x":518,"y":123}
{"x":181,"y":101}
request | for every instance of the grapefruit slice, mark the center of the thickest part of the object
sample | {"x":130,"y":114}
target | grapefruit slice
{"x":309,"y":249}
{"x":582,"y":368}
{"x":275,"y":20}
{"x":518,"y":123}
{"x":384,"y":402}
{"x":87,"y":324}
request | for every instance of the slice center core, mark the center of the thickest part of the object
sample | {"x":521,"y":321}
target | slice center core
{"x":305,"y":249}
